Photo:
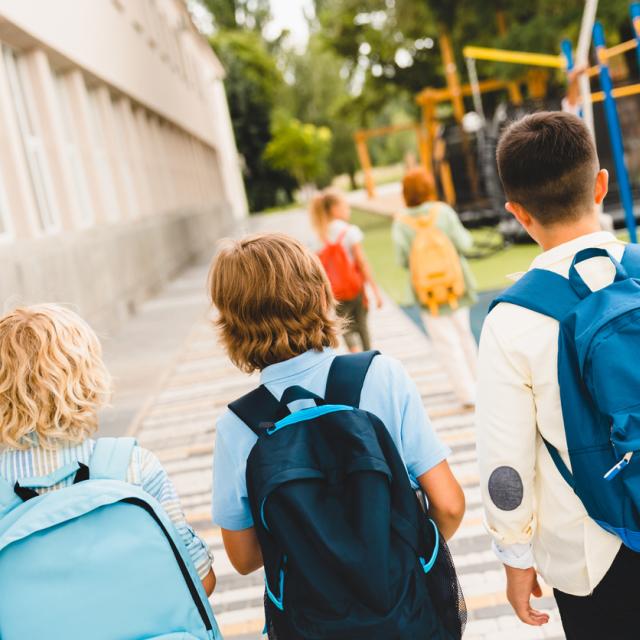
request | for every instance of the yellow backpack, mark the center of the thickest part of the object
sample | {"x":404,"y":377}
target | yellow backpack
{"x":434,"y":264}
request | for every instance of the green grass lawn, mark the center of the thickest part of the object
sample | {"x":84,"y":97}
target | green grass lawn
{"x":490,"y":272}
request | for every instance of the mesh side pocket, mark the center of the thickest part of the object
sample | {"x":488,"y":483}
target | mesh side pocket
{"x":446,"y":593}
{"x":268,"y":618}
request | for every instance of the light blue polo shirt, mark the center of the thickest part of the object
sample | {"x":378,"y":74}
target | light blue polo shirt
{"x":388,"y":393}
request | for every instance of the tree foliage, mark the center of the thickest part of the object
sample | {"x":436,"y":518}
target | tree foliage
{"x":364,"y":63}
{"x":231,"y":15}
{"x":299,"y":149}
{"x":252,"y":84}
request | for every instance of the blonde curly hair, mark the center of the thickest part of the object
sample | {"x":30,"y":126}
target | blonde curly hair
{"x":52,"y":378}
{"x":273,"y":299}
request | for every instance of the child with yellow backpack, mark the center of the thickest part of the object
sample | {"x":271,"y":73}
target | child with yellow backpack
{"x":430,"y":240}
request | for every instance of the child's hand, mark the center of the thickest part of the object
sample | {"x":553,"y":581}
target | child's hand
{"x":379,"y":300}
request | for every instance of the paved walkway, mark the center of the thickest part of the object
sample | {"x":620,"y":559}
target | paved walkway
{"x":177,"y":422}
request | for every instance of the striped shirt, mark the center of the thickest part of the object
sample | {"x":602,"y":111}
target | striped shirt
{"x":145,"y":471}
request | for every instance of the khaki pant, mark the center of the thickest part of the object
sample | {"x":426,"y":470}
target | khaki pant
{"x":456,"y":349}
{"x":354,"y":312}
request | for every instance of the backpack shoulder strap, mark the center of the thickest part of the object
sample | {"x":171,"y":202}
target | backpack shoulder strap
{"x":8,"y":497}
{"x":255,"y":407}
{"x":631,"y":260}
{"x":408,"y":221}
{"x":543,"y":291}
{"x":346,"y":377}
{"x":110,"y":459}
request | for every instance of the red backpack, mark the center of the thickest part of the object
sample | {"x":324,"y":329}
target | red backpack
{"x":344,"y":276}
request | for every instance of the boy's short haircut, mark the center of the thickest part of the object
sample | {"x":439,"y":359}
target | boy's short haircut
{"x":548,"y":164}
{"x":52,"y":378}
{"x":274,"y":300}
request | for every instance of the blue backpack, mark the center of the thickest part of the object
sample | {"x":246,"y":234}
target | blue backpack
{"x":599,"y":377}
{"x":349,"y":552}
{"x":97,"y":560}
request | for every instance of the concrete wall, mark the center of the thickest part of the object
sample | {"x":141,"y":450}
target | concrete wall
{"x":118,"y":163}
{"x":105,"y":273}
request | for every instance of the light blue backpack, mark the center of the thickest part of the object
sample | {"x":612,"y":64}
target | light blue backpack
{"x":599,"y":377}
{"x":98,"y":560}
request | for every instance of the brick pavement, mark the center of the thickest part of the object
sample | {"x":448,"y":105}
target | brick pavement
{"x":179,"y":426}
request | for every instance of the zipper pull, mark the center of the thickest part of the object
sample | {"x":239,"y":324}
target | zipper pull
{"x":618,"y":467}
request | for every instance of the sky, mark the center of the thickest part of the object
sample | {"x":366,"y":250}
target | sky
{"x":287,"y":14}
{"x":290,"y":14}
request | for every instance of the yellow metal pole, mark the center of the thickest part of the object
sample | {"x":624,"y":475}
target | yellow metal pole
{"x":365,"y":163}
{"x":453,"y":83}
{"x":618,"y":92}
{"x":515,"y":95}
{"x":451,"y":74}
{"x":428,"y":112}
{"x":514,"y":57}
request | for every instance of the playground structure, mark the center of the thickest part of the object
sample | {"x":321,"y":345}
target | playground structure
{"x":432,"y":149}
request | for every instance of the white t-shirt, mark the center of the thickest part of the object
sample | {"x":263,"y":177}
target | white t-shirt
{"x":352,"y":235}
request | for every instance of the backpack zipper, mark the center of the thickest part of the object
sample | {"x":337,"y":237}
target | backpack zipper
{"x":619,"y":466}
{"x":179,"y":559}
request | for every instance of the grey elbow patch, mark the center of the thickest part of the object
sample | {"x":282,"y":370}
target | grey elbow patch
{"x":505,"y":488}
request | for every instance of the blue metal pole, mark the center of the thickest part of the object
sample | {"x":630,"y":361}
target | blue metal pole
{"x":634,"y":9}
{"x":567,"y":52}
{"x":615,"y":133}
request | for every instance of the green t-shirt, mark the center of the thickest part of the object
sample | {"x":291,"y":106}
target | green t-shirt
{"x":449,"y":223}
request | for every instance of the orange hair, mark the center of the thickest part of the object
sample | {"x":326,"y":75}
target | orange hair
{"x":274,"y":301}
{"x":418,"y":186}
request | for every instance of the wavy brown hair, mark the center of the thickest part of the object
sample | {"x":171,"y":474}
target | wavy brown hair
{"x":52,"y":378}
{"x":274,"y":300}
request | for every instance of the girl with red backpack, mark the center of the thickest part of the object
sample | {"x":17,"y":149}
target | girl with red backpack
{"x":344,"y":260}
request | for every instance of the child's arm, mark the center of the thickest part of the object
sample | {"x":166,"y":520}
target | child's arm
{"x":243,"y":550}
{"x":506,"y":437}
{"x":446,"y":498}
{"x":157,"y":483}
{"x":400,"y":235}
{"x":460,"y":236}
{"x":365,"y":270}
{"x":426,"y":456}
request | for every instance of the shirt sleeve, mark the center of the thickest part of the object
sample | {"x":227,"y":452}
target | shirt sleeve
{"x":507,"y":439}
{"x":461,"y":238}
{"x":354,"y":235}
{"x":421,"y":448}
{"x":156,"y":483}
{"x":401,"y":236}
{"x":231,"y":508}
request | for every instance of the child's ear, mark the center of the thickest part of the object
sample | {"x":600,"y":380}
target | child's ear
{"x":519,"y":213}
{"x":602,"y":186}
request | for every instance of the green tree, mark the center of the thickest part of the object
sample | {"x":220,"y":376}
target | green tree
{"x":300,"y":149}
{"x":252,"y":84}
{"x":317,"y":93}
{"x":231,"y":15}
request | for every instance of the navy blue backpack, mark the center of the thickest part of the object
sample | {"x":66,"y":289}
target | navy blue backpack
{"x":599,"y":377}
{"x":349,"y":551}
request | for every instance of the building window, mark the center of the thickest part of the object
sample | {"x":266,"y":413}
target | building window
{"x":101,"y":155}
{"x":72,"y":151}
{"x":48,"y":220}
{"x":5,"y":220}
{"x":124,"y":143}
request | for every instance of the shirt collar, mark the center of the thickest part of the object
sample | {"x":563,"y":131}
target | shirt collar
{"x":567,"y":250}
{"x":295,"y":366}
{"x":570,"y":248}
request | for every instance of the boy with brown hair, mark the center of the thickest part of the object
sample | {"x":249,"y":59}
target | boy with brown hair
{"x":551,"y":176}
{"x":277,"y":316}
